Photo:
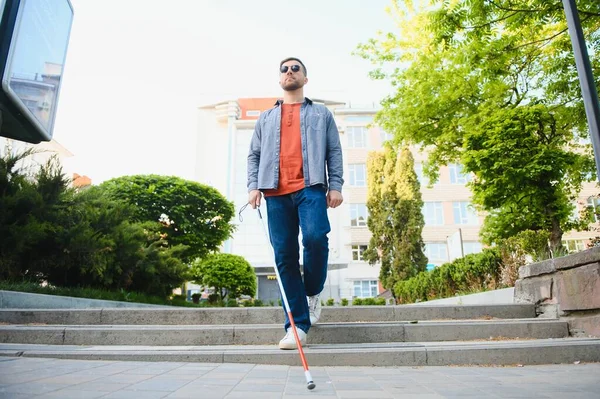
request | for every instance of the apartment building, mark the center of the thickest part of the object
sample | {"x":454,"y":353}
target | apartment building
{"x":451,"y":225}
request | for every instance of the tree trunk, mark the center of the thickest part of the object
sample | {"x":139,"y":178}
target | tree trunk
{"x":556,"y":236}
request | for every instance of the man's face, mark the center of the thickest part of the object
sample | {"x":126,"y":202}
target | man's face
{"x":292,"y":80}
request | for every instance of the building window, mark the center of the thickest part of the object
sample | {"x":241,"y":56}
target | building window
{"x":358,"y":215}
{"x":385,"y":136}
{"x":365,"y":288}
{"x":457,"y":176}
{"x":252,"y":113}
{"x":433,"y":213}
{"x":472,"y":247}
{"x":593,"y":205}
{"x":357,"y":136}
{"x":464,"y":213}
{"x":574,"y":245}
{"x":436,"y":252}
{"x":357,"y":174}
{"x":420,"y":176}
{"x":357,"y":252}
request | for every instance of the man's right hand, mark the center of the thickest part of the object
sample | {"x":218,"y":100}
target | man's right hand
{"x":254,"y":198}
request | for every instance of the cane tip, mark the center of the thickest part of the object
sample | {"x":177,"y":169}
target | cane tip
{"x":311,"y":385}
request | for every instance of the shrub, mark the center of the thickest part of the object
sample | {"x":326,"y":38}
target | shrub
{"x":344,"y":301}
{"x":474,"y":272}
{"x":330,"y":302}
{"x":515,"y":250}
{"x":231,"y":303}
{"x":369,"y":301}
{"x":179,"y":299}
{"x":231,"y":275}
{"x":357,"y":301}
{"x":247,"y":303}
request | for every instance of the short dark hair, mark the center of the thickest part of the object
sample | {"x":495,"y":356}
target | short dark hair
{"x":293,"y":59}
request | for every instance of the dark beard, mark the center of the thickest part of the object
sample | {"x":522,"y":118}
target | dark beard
{"x":291,"y":86}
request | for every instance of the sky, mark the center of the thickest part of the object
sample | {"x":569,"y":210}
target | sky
{"x":137,"y":70}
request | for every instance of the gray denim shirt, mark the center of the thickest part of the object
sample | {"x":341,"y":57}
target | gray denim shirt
{"x":321,"y":149}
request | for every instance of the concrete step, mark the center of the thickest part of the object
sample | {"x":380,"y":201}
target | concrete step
{"x":543,"y":351}
{"x":335,"y":333}
{"x":262,"y":315}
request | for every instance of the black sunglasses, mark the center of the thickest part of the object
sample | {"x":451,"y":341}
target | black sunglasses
{"x":284,"y":68}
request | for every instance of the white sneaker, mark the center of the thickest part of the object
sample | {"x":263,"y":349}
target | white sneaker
{"x":289,"y":341}
{"x":314,"y":307}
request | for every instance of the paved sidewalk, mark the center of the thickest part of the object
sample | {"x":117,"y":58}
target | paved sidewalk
{"x":53,"y":378}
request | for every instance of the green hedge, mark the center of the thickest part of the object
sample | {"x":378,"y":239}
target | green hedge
{"x":475,"y":272}
{"x":368,"y":301}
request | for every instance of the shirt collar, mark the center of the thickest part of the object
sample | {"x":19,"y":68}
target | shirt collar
{"x":280,"y":101}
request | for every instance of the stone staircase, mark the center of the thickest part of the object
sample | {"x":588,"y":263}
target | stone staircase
{"x":352,"y":336}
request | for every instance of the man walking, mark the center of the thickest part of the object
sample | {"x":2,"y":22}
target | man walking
{"x":295,"y":160}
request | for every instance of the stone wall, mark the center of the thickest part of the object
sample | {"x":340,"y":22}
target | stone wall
{"x":566,"y":287}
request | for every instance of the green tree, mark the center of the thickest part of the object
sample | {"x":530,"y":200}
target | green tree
{"x":27,"y":208}
{"x":395,"y":216}
{"x":230,"y":275}
{"x":492,"y":85}
{"x":192,"y":214}
{"x":52,"y":233}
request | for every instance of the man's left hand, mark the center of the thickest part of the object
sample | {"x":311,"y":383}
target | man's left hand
{"x":334,"y":199}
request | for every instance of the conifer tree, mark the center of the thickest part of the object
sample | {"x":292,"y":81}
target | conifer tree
{"x":395,"y":218}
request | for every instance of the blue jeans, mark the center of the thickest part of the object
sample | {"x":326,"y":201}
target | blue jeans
{"x":307,"y":210}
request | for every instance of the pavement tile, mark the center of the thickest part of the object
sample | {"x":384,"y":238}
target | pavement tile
{"x":239,"y":367}
{"x":302,"y":390}
{"x":274,"y":380}
{"x":312,"y":396}
{"x":227,"y":376}
{"x":28,"y":376}
{"x":593,"y":388}
{"x":356,"y":385}
{"x":268,"y":374}
{"x":33,"y":388}
{"x":208,"y":382}
{"x":70,"y":379}
{"x":390,"y":378}
{"x":124,"y":378}
{"x":159,"y":384}
{"x":73,"y":394}
{"x":406,"y":389}
{"x":214,"y":392}
{"x":513,"y":392}
{"x":254,"y":395}
{"x":474,"y":393}
{"x":367,"y":394}
{"x":245,"y":387}
{"x":573,"y":395}
{"x":136,"y":395}
{"x":7,"y":395}
{"x":145,"y":371}
{"x":196,"y":371}
{"x":104,"y":370}
{"x":270,"y":367}
{"x":99,"y":386}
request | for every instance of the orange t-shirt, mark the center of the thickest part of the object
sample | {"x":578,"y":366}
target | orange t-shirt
{"x":291,"y":173}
